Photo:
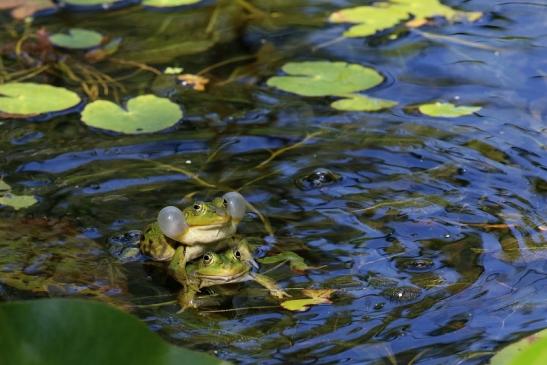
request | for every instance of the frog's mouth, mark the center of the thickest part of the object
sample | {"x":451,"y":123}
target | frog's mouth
{"x":222,"y":279}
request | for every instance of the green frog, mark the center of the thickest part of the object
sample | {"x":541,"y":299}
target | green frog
{"x":232,"y":265}
{"x":201,"y":226}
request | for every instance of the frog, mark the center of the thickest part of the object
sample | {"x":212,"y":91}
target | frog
{"x":232,"y":265}
{"x":194,"y":228}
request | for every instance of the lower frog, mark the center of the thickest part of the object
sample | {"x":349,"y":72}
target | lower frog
{"x":232,"y":265}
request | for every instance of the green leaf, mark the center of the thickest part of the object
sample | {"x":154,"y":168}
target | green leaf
{"x":362,"y":103}
{"x":71,"y":331}
{"x":17,"y":201}
{"x":316,"y":296}
{"x":144,"y":114}
{"x":22,"y":9}
{"x":76,"y":39}
{"x":29,"y":99}
{"x":296,"y":262}
{"x":447,"y":110}
{"x":384,"y":15}
{"x":322,"y":78}
{"x":531,"y":350}
{"x":168,"y":3}
{"x":4,"y":186}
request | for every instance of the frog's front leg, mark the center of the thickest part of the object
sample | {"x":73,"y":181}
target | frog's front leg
{"x":177,"y":266}
{"x":271,"y":285}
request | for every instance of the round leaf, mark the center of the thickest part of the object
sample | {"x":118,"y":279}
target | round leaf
{"x":447,"y":110}
{"x":322,"y":78}
{"x":71,"y":331}
{"x":168,"y":3}
{"x":89,"y":2}
{"x":29,"y":99}
{"x":17,"y":201}
{"x":531,"y":350}
{"x":362,"y":103}
{"x":77,"y":39}
{"x":144,"y":114}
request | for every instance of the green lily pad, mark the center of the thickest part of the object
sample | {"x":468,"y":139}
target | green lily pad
{"x":362,"y":103}
{"x":296,"y":262}
{"x":531,"y":350}
{"x":143,"y":114}
{"x":447,"y":110}
{"x":76,"y":39}
{"x":72,"y":331}
{"x":168,"y":3}
{"x":29,"y":99}
{"x":22,"y":9}
{"x":384,"y":15}
{"x":322,"y":78}
{"x":4,"y":186}
{"x":17,"y":201}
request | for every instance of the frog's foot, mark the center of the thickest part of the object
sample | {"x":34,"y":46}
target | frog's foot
{"x":271,"y":285}
{"x":186,"y":299}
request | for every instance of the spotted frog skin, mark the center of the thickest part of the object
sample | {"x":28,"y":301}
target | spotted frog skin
{"x":233,"y":265}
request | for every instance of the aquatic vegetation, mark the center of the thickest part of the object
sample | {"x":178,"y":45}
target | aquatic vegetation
{"x":447,"y":110}
{"x":79,"y":325}
{"x":529,"y":350}
{"x":142,"y":114}
{"x":13,"y":200}
{"x":316,"y":296}
{"x":387,"y":14}
{"x":22,"y":9}
{"x":76,"y":38}
{"x":25,"y":100}
{"x":168,"y":3}
{"x":325,"y":78}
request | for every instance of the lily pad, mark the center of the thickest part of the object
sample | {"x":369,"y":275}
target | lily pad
{"x":384,"y":15}
{"x":143,"y":114}
{"x":323,"y":78}
{"x":168,"y":3}
{"x":316,"y":296}
{"x":89,"y":2}
{"x":362,"y":103}
{"x":17,"y":201}
{"x":76,"y":39}
{"x":72,"y":331}
{"x":447,"y":110}
{"x":30,"y":99}
{"x":296,"y":262}
{"x":531,"y":350}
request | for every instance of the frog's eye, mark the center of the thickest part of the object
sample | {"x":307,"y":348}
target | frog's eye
{"x":237,"y":254}
{"x":236,"y":204}
{"x":198,"y":207}
{"x":208,"y":259}
{"x":171,"y":222}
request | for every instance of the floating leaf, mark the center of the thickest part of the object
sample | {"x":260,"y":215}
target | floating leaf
{"x":316,"y":296}
{"x":196,"y":82}
{"x":385,"y":15}
{"x":22,"y":9}
{"x":143,"y":114}
{"x":362,"y":103}
{"x":61,"y":331}
{"x":76,"y":39}
{"x":29,"y":99}
{"x":17,"y":201}
{"x":322,"y":78}
{"x":531,"y":350}
{"x":168,"y":3}
{"x":4,"y":186}
{"x":447,"y":110}
{"x":296,"y":262}
{"x":172,"y":70}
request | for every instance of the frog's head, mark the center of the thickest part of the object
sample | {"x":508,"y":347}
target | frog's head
{"x":227,"y":210}
{"x":224,"y":267}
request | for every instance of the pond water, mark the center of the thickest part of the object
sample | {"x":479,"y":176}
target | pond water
{"x":432,"y":237}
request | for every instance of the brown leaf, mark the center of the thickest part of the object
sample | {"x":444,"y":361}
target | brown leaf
{"x":25,"y":8}
{"x":196,"y":82}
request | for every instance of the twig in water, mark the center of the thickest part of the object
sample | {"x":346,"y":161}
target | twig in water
{"x":282,"y":150}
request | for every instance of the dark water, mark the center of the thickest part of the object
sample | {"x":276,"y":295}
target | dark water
{"x":434,"y":234}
